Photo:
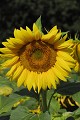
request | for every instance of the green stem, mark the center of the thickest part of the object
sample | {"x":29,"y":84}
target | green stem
{"x":50,"y":101}
{"x":44,"y":100}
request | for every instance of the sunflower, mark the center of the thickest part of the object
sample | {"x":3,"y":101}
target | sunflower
{"x":37,"y":60}
{"x":76,"y":54}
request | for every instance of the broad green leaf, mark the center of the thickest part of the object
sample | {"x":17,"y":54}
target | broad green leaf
{"x":74,"y":77}
{"x":58,"y":118}
{"x":63,"y":116}
{"x":19,"y":113}
{"x":76,"y":97}
{"x":77,"y":112}
{"x":68,"y":88}
{"x":45,"y":116}
{"x":77,"y":118}
{"x":34,"y":117}
{"x":50,"y":93}
{"x":38,"y":23}
{"x":62,"y":111}
{"x":5,"y":81}
{"x":54,"y":105}
{"x":5,"y":114}
{"x":6,"y":103}
{"x":31,"y":103}
{"x":22,"y":113}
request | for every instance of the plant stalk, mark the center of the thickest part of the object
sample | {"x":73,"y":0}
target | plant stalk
{"x":44,"y":100}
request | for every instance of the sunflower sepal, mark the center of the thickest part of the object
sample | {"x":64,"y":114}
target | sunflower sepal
{"x":39,"y":24}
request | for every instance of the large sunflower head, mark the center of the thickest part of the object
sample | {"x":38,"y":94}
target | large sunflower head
{"x":37,"y":60}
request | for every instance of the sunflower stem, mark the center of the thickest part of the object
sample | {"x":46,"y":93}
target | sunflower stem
{"x":44,"y":100}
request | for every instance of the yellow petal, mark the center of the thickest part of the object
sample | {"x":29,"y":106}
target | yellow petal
{"x":53,"y":29}
{"x":12,"y":70}
{"x":47,"y":37}
{"x":57,"y":37}
{"x":10,"y":42}
{"x":44,"y":82}
{"x":19,"y":34}
{"x":37,"y":33}
{"x":12,"y":47}
{"x":39,"y":81}
{"x":5,"y":50}
{"x":17,"y":42}
{"x":77,"y":67}
{"x":63,"y":64}
{"x":6,"y":44}
{"x":65,"y":44}
{"x":22,"y":77}
{"x":63,"y":71}
{"x":35,"y":80}
{"x":58,"y":74}
{"x":10,"y":62}
{"x":70,"y":64}
{"x":65,"y":56}
{"x":71,"y":104}
{"x":27,"y":36}
{"x":7,"y":55}
{"x":29,"y":81}
{"x":62,"y":40}
{"x":54,"y":38}
{"x":30,"y":33}
{"x":51,"y":78}
{"x":17,"y":72}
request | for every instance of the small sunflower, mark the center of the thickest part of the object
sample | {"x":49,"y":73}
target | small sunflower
{"x":37,"y":60}
{"x":76,"y":55}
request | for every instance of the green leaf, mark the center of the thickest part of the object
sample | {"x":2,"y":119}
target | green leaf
{"x":63,"y":116}
{"x":19,"y":113}
{"x":38,"y":23}
{"x":5,"y":81}
{"x":68,"y":88}
{"x":5,"y":114}
{"x":32,"y":103}
{"x":77,"y":118}
{"x":62,"y":111}
{"x":77,"y":112}
{"x":76,"y":97}
{"x":54,"y":104}
{"x":58,"y":118}
{"x":45,"y":116}
{"x":6,"y":103}
{"x":22,"y":113}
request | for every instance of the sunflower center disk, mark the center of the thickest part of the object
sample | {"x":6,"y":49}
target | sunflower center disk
{"x":38,"y":56}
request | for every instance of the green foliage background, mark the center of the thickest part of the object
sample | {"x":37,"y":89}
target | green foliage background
{"x":16,"y":13}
